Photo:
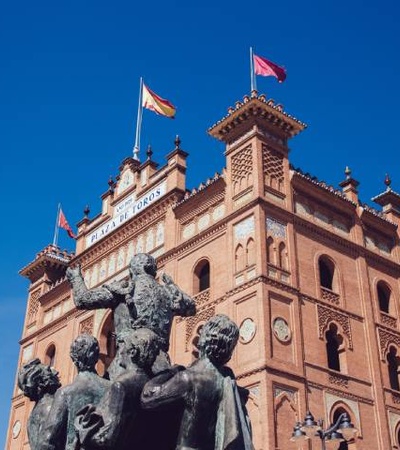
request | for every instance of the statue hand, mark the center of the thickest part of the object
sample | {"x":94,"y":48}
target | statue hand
{"x":73,"y":272}
{"x":166,"y":278}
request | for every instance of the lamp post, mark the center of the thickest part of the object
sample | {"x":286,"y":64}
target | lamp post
{"x":341,"y":430}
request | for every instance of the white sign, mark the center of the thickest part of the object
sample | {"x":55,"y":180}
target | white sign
{"x":125,"y":210}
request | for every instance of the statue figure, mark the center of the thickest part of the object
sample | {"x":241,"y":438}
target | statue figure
{"x":116,"y":422}
{"x":140,"y":302}
{"x":214,"y":416}
{"x":58,"y":430}
{"x":39,"y":383}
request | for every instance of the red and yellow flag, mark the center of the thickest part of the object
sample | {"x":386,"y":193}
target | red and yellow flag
{"x":152,"y":101}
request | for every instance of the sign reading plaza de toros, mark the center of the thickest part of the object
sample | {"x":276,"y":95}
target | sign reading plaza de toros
{"x":125,"y":210}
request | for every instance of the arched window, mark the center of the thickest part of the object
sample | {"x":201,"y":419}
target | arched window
{"x":270,"y":251}
{"x":202,"y":276}
{"x":384,"y":293}
{"x":107,"y":344}
{"x":195,"y":342}
{"x":333,"y":347}
{"x":283,"y":263}
{"x":50,"y":356}
{"x":343,"y":445}
{"x":393,"y":368}
{"x":327,"y":273}
{"x":250,"y":253}
{"x":239,"y":258}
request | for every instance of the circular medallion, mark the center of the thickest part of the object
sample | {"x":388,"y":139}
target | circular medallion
{"x":16,"y":429}
{"x":247,"y":330}
{"x":281,"y":329}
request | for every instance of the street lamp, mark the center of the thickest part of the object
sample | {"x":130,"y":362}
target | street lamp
{"x":341,"y":430}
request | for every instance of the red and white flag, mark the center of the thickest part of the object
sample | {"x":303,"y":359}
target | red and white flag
{"x":267,"y":68}
{"x":63,"y":223}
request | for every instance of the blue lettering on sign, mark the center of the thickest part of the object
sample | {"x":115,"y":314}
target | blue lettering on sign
{"x":125,"y":211}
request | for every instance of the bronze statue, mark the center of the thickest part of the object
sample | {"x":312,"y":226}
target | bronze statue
{"x":87,"y":387}
{"x":147,"y":405}
{"x":214,"y":416}
{"x":39,"y":383}
{"x":116,"y":422}
{"x":140,"y":302}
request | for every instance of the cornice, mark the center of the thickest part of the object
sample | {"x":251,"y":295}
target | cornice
{"x":54,"y":325}
{"x":126,"y":231}
{"x":190,"y":243}
{"x":306,"y":297}
{"x":206,"y":186}
{"x":322,"y":188}
{"x":195,"y":208}
{"x":326,"y":234}
{"x":255,"y":108}
{"x":339,"y":374}
{"x":58,"y":288}
{"x":338,"y":393}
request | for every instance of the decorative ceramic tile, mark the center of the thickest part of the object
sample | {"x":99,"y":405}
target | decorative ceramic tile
{"x":247,"y":330}
{"x":204,"y":221}
{"x":189,"y":230}
{"x":218,"y":212}
{"x":244,"y":229}
{"x":275,"y":228}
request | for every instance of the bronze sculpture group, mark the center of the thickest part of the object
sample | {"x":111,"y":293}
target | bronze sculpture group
{"x":144,"y":402}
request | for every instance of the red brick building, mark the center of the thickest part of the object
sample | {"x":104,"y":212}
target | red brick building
{"x":309,"y":273}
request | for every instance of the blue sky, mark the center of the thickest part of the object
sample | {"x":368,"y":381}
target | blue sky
{"x":69,"y":76}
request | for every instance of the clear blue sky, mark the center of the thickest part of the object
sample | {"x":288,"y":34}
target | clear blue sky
{"x":69,"y":75}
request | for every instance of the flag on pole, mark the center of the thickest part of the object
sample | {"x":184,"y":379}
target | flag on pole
{"x":267,"y":68}
{"x":62,"y":223}
{"x":152,"y":101}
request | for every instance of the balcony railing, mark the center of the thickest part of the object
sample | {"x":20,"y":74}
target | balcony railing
{"x":388,"y":320}
{"x":202,"y":297}
{"x":330,"y":296}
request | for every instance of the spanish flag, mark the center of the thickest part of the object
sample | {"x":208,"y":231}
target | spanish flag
{"x":152,"y":101}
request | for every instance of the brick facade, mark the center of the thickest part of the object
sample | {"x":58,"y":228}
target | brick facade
{"x":309,"y":274}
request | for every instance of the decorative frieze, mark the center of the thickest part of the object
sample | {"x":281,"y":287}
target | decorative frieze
{"x":272,"y":168}
{"x":244,"y":229}
{"x":275,"y":228}
{"x":327,"y":315}
{"x":33,"y":307}
{"x":86,"y":326}
{"x":242,"y":169}
{"x":321,"y":218}
{"x":385,"y":339}
{"x":193,"y":321}
{"x":338,"y":380}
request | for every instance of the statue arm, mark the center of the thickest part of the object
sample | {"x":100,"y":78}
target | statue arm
{"x":182,"y":304}
{"x":166,"y":388}
{"x":54,"y":430}
{"x":84,"y":298}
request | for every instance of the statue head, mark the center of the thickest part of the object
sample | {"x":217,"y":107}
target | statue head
{"x":140,"y":345}
{"x":84,"y":352}
{"x":36,"y":379}
{"x":143,"y":263}
{"x":218,"y":339}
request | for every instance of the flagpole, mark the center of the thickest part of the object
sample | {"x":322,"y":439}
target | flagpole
{"x":55,"y":239}
{"x":136,"y":148}
{"x":253,"y":85}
